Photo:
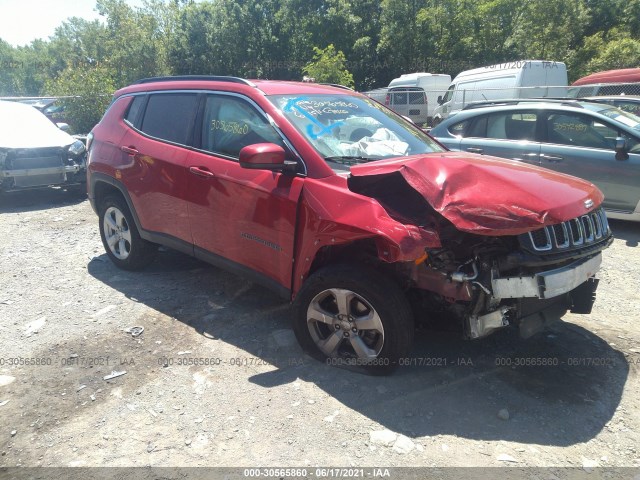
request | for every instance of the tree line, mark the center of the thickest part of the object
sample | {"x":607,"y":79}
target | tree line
{"x":363,"y":42}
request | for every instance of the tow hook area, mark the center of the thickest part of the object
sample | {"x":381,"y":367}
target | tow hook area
{"x":483,"y":325}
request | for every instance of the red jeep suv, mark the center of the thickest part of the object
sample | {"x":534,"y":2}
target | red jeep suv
{"x":355,"y":215}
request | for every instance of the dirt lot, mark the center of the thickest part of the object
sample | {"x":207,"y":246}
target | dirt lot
{"x":217,"y":379}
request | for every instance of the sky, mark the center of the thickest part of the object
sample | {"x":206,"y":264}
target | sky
{"x":22,"y":21}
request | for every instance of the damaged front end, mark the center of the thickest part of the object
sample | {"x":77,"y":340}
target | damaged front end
{"x":500,"y":267}
{"x":37,"y":167}
{"x":528,"y":280}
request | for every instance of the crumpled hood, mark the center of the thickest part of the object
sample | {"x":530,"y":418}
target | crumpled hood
{"x":489,"y":195}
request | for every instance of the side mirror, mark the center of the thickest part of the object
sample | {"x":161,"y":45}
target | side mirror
{"x":621,"y":149}
{"x":439,"y":100}
{"x":64,"y":127}
{"x":265,"y":156}
{"x":408,"y":119}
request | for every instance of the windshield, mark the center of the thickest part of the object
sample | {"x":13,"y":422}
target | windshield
{"x":626,"y":118}
{"x":349,"y":129}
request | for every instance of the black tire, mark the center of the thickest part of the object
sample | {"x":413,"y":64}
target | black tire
{"x":131,"y":252}
{"x":365,"y":293}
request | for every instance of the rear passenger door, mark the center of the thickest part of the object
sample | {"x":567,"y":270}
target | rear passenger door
{"x":509,"y":135}
{"x":154,"y":152}
{"x":240,"y":217}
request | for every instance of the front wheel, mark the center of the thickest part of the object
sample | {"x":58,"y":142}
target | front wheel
{"x":121,"y":238}
{"x":353,"y":317}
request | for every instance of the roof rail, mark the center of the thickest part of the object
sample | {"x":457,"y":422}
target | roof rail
{"x":211,"y":78}
{"x":570,"y":102}
{"x":337,"y":86}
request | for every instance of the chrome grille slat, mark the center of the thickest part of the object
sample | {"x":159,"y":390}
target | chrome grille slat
{"x":561,"y":235}
{"x":577,"y":235}
{"x":587,"y":224}
{"x":576,"y":232}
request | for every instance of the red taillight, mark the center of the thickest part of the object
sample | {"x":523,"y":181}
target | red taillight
{"x":387,"y":99}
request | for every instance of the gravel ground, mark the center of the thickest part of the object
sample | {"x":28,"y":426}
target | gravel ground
{"x":217,"y":379}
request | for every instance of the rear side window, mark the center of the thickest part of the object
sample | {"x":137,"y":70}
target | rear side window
{"x":231,"y":123}
{"x":504,"y":126}
{"x":133,"y":114}
{"x":169,"y":116}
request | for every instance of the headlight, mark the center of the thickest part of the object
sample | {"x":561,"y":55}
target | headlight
{"x":77,"y":148}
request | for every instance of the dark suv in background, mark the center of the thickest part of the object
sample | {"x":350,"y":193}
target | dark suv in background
{"x":344,"y":208}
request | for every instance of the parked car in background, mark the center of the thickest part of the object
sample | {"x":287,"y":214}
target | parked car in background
{"x":355,"y":215}
{"x":624,"y":81}
{"x":628,"y":103}
{"x":518,"y":79}
{"x":594,"y":141}
{"x":36,"y":153}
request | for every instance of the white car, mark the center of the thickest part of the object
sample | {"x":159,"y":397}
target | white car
{"x":34,"y":152}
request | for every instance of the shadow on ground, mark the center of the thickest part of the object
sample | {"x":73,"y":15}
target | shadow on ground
{"x":42,"y":198}
{"x":628,"y":231}
{"x":451,"y":387}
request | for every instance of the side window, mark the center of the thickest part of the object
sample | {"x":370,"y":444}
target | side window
{"x":449,"y":95}
{"x":417,"y":97}
{"x":459,"y":128}
{"x":399,"y":98}
{"x":521,"y":126}
{"x":478,"y":127}
{"x":512,"y":126}
{"x":630,"y":107}
{"x":169,"y":116}
{"x":133,"y":114}
{"x":580,"y":131}
{"x":230,"y":123}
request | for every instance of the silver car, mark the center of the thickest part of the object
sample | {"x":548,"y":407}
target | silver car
{"x":594,"y":141}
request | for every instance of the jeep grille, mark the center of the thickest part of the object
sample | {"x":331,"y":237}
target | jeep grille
{"x":582,"y":231}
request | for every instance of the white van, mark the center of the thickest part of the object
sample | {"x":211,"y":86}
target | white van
{"x":404,"y":94}
{"x":517,"y":79}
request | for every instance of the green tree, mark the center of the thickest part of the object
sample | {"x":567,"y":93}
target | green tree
{"x":329,"y":66}
{"x":88,"y":92}
{"x":620,"y":53}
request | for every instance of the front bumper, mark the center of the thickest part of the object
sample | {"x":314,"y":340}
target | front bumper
{"x":549,"y":284}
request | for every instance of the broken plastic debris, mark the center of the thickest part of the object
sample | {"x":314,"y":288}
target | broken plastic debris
{"x":81,"y":387}
{"x":114,"y":374}
{"x":2,"y":404}
{"x":134,"y":331}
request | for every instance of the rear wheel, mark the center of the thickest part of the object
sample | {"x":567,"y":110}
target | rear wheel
{"x":353,"y":317}
{"x":121,"y":238}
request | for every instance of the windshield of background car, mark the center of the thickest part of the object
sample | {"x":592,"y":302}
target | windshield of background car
{"x":626,"y":118}
{"x":350,"y":129}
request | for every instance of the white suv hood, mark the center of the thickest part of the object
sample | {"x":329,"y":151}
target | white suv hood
{"x":22,"y":126}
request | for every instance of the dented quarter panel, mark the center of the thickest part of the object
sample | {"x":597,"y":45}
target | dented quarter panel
{"x":488,"y":195}
{"x":330,"y":214}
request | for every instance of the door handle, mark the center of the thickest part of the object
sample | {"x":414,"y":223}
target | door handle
{"x":201,"y":172}
{"x":129,"y":150}
{"x":475,"y":150}
{"x":552,"y":158}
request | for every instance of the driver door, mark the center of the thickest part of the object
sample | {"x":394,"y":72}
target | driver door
{"x":240,"y":217}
